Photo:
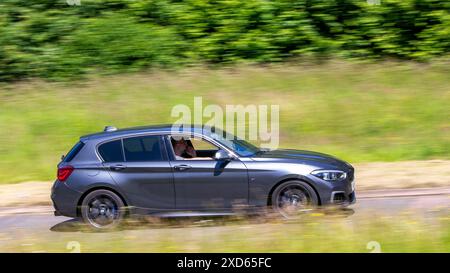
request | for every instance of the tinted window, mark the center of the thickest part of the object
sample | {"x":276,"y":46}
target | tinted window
{"x":146,"y":148}
{"x":74,"y":151}
{"x":111,"y":151}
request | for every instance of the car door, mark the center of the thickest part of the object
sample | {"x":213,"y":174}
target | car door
{"x":205,"y":183}
{"x":145,"y":174}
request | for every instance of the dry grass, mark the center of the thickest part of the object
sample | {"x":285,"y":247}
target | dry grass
{"x":403,"y":175}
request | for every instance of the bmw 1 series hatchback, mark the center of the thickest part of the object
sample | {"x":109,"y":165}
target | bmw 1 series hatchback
{"x":197,"y":171}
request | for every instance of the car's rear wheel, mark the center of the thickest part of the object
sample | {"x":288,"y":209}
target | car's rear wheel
{"x":102,"y":209}
{"x":293,"y":198}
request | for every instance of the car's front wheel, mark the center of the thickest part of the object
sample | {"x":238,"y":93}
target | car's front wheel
{"x":294,"y":197}
{"x":102,"y":209}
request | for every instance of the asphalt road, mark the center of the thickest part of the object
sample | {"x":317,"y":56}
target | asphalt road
{"x":40,"y":220}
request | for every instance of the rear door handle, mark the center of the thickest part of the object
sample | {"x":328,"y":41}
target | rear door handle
{"x":182,"y":167}
{"x":118,"y":167}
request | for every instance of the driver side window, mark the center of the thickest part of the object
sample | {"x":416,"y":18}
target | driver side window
{"x":192,"y":148}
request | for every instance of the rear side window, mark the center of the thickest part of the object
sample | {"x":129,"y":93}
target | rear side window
{"x":111,"y":151}
{"x":145,"y":148}
{"x":74,"y":151}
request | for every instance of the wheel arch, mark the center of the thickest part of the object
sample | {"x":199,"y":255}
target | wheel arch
{"x":289,"y":179}
{"x":102,"y":187}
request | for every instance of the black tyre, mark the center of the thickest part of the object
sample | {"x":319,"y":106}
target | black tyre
{"x":294,"y":197}
{"x":103,"y":209}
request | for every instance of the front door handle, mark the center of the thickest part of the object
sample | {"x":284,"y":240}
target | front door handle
{"x":182,"y":167}
{"x":118,"y":167}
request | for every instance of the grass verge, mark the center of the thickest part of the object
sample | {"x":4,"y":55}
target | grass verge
{"x":359,"y":112}
{"x":317,"y":232}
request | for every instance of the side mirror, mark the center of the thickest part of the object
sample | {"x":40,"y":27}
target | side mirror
{"x":222,"y":155}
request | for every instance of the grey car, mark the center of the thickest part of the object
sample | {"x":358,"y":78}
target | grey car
{"x":109,"y":175}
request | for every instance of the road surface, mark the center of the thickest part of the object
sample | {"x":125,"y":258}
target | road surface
{"x":35,"y":229}
{"x":40,"y":219}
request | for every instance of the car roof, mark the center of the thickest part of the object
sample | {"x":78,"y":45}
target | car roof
{"x":142,"y":129}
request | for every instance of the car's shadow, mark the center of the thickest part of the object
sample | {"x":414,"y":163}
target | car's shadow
{"x":142,"y":223}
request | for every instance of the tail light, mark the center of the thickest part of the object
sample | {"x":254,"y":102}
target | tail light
{"x":64,"y":173}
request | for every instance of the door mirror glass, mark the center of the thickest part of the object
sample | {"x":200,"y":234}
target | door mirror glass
{"x":222,"y":155}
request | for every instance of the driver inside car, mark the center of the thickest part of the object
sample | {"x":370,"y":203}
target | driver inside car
{"x":185,"y":150}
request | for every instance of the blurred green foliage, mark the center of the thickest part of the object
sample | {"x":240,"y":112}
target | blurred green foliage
{"x":51,"y":39}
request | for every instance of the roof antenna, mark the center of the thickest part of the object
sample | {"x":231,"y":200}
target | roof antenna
{"x":109,"y":129}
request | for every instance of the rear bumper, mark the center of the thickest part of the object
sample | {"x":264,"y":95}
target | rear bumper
{"x":65,"y":200}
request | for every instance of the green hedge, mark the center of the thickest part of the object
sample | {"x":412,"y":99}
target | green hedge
{"x":51,"y":39}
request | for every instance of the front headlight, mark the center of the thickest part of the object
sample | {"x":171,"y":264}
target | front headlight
{"x":330,"y":175}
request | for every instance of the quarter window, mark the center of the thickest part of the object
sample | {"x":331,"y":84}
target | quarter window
{"x":74,"y":151}
{"x":145,"y":148}
{"x":111,"y":151}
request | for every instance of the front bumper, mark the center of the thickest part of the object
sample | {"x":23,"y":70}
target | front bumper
{"x":341,"y":198}
{"x":334,"y":193}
